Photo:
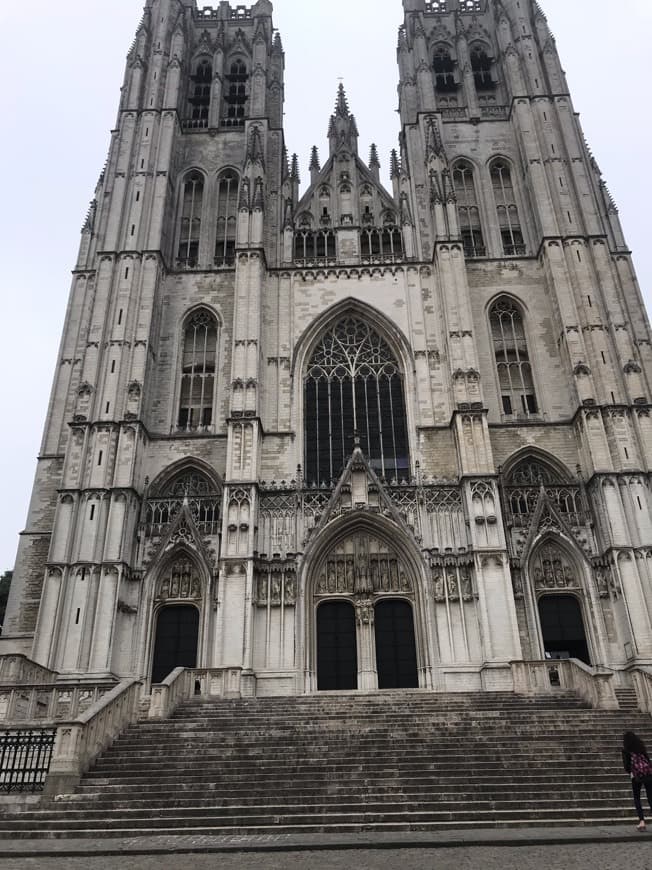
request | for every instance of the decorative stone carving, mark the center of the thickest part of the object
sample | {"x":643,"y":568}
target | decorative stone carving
{"x":180,"y":582}
{"x":552,"y":569}
{"x":362,"y":564}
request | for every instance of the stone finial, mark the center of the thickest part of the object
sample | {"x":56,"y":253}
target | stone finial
{"x":294,"y":173}
{"x":374,"y":162}
{"x":395,"y":166}
{"x":314,"y":159}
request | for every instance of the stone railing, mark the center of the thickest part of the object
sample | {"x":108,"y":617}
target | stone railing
{"x":642,"y":681}
{"x":185,"y":683}
{"x":541,"y":677}
{"x":47,"y":704}
{"x":18,"y":669}
{"x":79,"y":742}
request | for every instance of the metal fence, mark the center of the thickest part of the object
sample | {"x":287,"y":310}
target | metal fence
{"x":25,"y":758}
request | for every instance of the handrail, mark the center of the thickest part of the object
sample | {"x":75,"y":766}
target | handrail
{"x":594,"y":686}
{"x":18,"y":669}
{"x":642,"y":680}
{"x":185,"y":683}
{"x":41,"y":704}
{"x":79,"y":742}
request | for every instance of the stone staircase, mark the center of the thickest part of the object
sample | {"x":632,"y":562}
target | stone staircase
{"x":332,"y":763}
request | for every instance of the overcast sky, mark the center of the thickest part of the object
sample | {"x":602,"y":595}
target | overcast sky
{"x":63,"y":63}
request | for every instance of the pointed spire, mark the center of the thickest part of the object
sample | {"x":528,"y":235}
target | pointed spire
{"x":286,"y":163}
{"x":341,"y":103}
{"x":295,"y":169}
{"x":342,"y":129}
{"x":395,"y":166}
{"x":277,"y":47}
{"x":374,"y":162}
{"x":315,"y":165}
{"x":314,"y":159}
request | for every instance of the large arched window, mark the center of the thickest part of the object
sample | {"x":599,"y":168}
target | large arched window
{"x":512,"y":359}
{"x":227,"y":209}
{"x":443,"y":67}
{"x":481,"y":65}
{"x":235,"y":95}
{"x":198,"y":364}
{"x":190,"y":230}
{"x":507,"y":210}
{"x":354,"y":386}
{"x":200,"y":94}
{"x":468,"y":211}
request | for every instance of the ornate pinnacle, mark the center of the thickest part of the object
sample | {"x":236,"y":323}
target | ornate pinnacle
{"x":295,"y":169}
{"x":314,"y":159}
{"x":374,"y":162}
{"x":395,"y":171}
{"x":341,"y":104}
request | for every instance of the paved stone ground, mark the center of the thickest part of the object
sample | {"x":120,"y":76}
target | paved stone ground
{"x":598,"y":856}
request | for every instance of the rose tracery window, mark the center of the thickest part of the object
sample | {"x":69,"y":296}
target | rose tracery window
{"x":354,"y":386}
{"x":198,"y":372}
{"x":512,"y":359}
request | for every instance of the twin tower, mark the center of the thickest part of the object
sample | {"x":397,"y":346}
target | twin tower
{"x":350,"y":437}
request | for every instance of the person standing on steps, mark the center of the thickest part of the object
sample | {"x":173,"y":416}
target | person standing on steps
{"x":637,"y":763}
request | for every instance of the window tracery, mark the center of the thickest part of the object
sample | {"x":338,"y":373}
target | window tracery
{"x":354,"y":386}
{"x":198,"y":366}
{"x":508,"y":219}
{"x":381,"y":243}
{"x":235,"y":95}
{"x":443,"y":67}
{"x":312,"y":245}
{"x":200,"y":94}
{"x":481,"y":65}
{"x":468,"y":210}
{"x":227,"y":209}
{"x":512,"y":359}
{"x":191,"y":217}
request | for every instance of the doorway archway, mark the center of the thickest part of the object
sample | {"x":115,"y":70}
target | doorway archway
{"x":176,"y":642}
{"x":396,"y":651}
{"x":337,"y":656}
{"x":562,"y":628}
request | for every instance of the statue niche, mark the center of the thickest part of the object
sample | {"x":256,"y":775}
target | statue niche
{"x":362,"y":565}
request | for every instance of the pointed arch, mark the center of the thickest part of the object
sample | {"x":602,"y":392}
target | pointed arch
{"x":373,"y":579}
{"x":186,"y":467}
{"x":509,"y":222}
{"x":468,"y":208}
{"x":228,"y":184}
{"x":198,"y":370}
{"x":482,"y":64}
{"x":353,"y":388}
{"x":532,"y":466}
{"x":199,"y":97}
{"x":190,"y":219}
{"x":236,"y":91}
{"x":507,"y":329}
{"x":444,"y":69}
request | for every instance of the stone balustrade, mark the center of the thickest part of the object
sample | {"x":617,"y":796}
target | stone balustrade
{"x":19,"y":670}
{"x":80,"y":741}
{"x":642,"y":681}
{"x":185,"y":683}
{"x":596,"y":687}
{"x":38,"y":705}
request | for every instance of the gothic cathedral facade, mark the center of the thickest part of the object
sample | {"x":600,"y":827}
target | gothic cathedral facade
{"x":351,"y":437}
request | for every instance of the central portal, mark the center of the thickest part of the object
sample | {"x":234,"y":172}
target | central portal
{"x":364,"y":600}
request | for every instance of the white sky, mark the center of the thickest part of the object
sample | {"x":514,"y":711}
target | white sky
{"x":63,"y":64}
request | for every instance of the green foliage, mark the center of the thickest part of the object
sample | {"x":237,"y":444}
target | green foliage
{"x":5,"y":583}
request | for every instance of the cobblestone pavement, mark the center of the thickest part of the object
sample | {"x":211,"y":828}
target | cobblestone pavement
{"x":599,"y":856}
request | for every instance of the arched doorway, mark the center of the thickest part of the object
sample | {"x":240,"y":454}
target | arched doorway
{"x":396,"y":651}
{"x":337,"y":657}
{"x":177,"y":635}
{"x":562,"y":628}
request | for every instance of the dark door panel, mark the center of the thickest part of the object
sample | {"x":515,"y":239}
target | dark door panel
{"x":396,"y":652}
{"x":177,"y":634}
{"x":337,"y":658}
{"x":562,"y":627}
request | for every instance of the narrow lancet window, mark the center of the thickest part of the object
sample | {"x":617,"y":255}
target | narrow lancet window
{"x":515,"y":379}
{"x":443,"y":67}
{"x":227,"y":207}
{"x":190,"y":229}
{"x":508,"y":220}
{"x":235,"y":96}
{"x":468,"y":211}
{"x":481,"y":66}
{"x":198,"y":364}
{"x":200,"y":94}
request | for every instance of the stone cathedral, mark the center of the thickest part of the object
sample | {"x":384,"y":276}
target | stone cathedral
{"x":337,"y":436}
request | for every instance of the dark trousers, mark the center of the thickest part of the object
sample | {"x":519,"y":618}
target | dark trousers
{"x":637,"y":785}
